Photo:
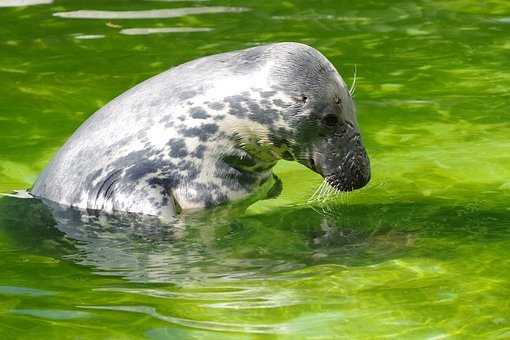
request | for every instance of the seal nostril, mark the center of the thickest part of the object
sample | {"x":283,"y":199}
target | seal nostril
{"x":312,"y":163}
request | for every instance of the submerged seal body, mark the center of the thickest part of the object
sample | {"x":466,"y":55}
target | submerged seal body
{"x":208,"y":132}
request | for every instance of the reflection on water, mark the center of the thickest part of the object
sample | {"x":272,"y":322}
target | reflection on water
{"x":88,"y":36}
{"x":216,"y":245}
{"x":149,"y":14}
{"x":20,"y":3}
{"x":292,"y":271}
{"x":179,"y":0}
{"x":144,"y":31}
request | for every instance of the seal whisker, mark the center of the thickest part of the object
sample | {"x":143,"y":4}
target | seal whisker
{"x":352,"y":90}
{"x":324,"y":191}
{"x":318,"y":194}
{"x":315,"y":195}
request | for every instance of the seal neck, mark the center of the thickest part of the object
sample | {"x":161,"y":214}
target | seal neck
{"x":228,"y":173}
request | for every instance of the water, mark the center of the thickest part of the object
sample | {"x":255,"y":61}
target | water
{"x":422,"y":252}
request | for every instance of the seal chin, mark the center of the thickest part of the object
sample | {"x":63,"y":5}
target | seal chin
{"x":344,"y":183}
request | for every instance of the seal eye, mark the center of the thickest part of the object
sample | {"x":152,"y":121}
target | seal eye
{"x":338,"y":101}
{"x":330,"y":120}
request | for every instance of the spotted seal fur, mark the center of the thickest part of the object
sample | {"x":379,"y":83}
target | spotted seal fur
{"x":209,"y":132}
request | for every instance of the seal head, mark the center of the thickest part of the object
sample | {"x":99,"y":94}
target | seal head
{"x":325,"y":132}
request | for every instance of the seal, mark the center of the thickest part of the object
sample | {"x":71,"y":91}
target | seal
{"x":208,"y":132}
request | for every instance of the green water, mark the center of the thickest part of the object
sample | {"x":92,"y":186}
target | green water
{"x":423,"y":252}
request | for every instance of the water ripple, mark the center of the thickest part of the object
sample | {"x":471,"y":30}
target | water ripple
{"x":21,"y":3}
{"x":221,"y":297}
{"x":505,"y":20}
{"x":23,"y":291}
{"x":88,"y":36}
{"x":148,"y":14}
{"x":145,"y":31}
{"x":179,"y":0}
{"x":52,"y":314}
{"x":204,"y":325}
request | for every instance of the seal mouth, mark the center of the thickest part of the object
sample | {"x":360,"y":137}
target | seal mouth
{"x":341,"y":159}
{"x":342,"y":183}
{"x":353,"y":173}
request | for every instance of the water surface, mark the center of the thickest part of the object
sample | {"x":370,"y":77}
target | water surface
{"x":422,"y":252}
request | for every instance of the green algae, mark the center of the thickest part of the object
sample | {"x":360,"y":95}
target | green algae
{"x":422,"y":252}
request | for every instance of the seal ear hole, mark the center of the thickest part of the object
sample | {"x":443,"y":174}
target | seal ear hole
{"x":338,"y":101}
{"x":330,"y":120}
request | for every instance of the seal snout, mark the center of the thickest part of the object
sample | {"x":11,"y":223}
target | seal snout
{"x":352,"y":174}
{"x":343,"y":162}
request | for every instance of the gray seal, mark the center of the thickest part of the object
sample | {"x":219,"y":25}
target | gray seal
{"x":208,"y":132}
